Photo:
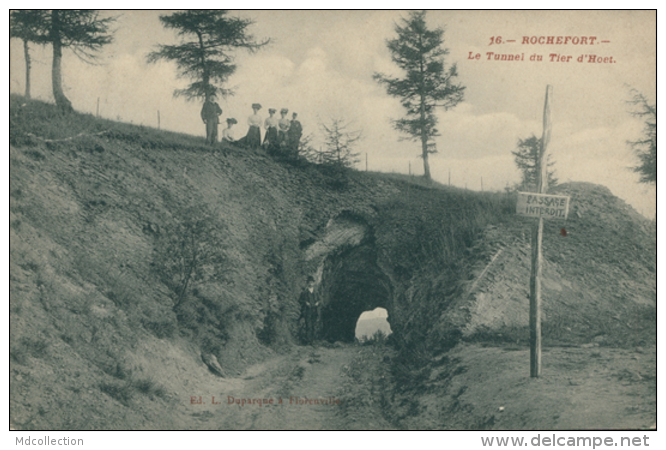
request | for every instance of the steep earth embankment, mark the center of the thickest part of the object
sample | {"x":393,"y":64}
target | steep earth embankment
{"x":599,"y":276}
{"x":124,"y":237}
{"x":135,"y":255}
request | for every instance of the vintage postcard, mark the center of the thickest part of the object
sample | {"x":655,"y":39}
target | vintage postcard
{"x":333,"y":220}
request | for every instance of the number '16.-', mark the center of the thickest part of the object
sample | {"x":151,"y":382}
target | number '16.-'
{"x":495,"y":40}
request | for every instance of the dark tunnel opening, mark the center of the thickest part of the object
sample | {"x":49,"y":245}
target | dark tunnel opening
{"x":352,"y":283}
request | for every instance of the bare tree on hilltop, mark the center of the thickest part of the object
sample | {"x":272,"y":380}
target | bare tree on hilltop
{"x":426,"y":84}
{"x":26,"y":24}
{"x":205,"y":52}
{"x":646,"y":148}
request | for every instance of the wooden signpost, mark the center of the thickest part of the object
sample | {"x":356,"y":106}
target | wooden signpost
{"x":540,"y":205}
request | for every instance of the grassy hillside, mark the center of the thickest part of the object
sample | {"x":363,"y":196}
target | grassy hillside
{"x":133,"y":252}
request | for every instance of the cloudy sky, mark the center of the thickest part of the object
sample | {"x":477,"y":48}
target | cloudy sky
{"x":320,"y":64}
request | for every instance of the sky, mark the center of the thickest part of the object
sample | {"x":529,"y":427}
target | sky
{"x":320,"y":64}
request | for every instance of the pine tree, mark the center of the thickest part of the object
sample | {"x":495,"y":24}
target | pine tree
{"x":646,"y":148}
{"x":25,"y":24}
{"x":339,"y":143}
{"x":80,"y":30}
{"x":205,"y":52}
{"x":426,"y":84}
{"x":526,"y":158}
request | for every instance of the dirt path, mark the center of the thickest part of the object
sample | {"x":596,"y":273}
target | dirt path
{"x":302,"y":389}
{"x":471,"y":387}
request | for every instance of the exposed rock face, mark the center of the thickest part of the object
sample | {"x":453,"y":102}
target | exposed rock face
{"x":340,"y":232}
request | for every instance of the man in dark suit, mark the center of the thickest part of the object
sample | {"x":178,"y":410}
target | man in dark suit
{"x":294,"y":135}
{"x":309,"y":313}
{"x":210,"y":114}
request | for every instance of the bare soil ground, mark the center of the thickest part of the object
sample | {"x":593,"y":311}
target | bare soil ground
{"x":302,"y":390}
{"x":586,"y":388}
{"x":471,"y":387}
{"x":474,"y":387}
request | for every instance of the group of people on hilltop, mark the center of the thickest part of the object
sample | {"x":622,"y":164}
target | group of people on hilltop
{"x":282,"y":137}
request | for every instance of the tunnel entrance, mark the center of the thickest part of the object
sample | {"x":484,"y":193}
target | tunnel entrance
{"x":352,"y":283}
{"x":371,"y":322}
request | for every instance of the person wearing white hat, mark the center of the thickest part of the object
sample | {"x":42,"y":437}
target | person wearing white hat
{"x":283,"y":127}
{"x":271,"y":137}
{"x":253,"y":137}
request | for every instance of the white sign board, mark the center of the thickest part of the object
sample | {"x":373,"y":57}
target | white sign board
{"x":542,"y":205}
